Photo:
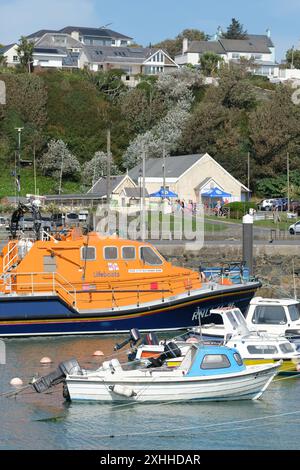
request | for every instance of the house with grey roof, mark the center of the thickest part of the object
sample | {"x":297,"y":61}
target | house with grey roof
{"x":86,"y":35}
{"x":189,"y":176}
{"x":133,"y":60}
{"x":257,"y":48}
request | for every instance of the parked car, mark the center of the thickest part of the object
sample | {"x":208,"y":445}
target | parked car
{"x":26,"y":223}
{"x":71,"y":218}
{"x":295,"y":207}
{"x":3,"y":222}
{"x":294,"y":228}
{"x":58,"y":220}
{"x":267,"y":204}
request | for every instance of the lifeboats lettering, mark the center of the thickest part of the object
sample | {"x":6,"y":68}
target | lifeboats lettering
{"x":104,"y":274}
{"x":137,"y":271}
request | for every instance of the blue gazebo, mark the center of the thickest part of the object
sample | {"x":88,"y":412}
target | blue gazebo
{"x":164,"y":193}
{"x":215,"y":193}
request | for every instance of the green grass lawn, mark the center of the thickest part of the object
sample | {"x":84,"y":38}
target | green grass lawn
{"x":45,"y":185}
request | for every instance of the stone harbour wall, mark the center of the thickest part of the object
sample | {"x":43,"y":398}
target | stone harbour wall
{"x":273,"y":265}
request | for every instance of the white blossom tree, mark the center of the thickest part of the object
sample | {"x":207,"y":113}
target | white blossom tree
{"x":175,"y":89}
{"x":59,"y":162}
{"x":95,"y":168}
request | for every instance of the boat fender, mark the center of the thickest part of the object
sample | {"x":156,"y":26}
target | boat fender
{"x":123,"y":390}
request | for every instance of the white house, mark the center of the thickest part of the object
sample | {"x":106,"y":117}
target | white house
{"x":133,"y":60}
{"x":189,"y":176}
{"x":257,"y":48}
{"x":11,"y":54}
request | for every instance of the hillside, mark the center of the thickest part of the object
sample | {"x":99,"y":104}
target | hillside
{"x":243,"y":114}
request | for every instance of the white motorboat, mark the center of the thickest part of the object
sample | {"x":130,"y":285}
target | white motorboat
{"x":255,"y":347}
{"x":210,"y":373}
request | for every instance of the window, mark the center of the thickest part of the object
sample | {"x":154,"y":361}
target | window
{"x":232,"y":320}
{"x":235,"y":56}
{"x":286,"y":348}
{"x":148,"y":256}
{"x":265,"y":349}
{"x":15,"y":58}
{"x":238,"y":359}
{"x":215,"y":361}
{"x":294,"y":311}
{"x":88,"y":253}
{"x":110,"y":252}
{"x":128,"y":252}
{"x":269,"y":315}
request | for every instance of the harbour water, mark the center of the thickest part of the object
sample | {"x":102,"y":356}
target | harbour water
{"x":33,"y":421}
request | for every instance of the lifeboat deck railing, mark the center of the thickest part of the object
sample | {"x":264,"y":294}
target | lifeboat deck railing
{"x":37,"y":282}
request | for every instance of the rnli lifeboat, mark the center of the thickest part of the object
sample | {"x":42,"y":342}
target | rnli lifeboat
{"x":75,"y":283}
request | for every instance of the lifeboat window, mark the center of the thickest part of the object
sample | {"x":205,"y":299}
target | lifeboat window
{"x":88,"y":253}
{"x":215,"y":361}
{"x":128,"y":252}
{"x":264,"y":349}
{"x":148,"y":256}
{"x":49,"y":264}
{"x":110,"y":252}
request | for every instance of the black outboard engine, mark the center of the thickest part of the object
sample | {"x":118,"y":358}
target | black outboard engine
{"x":171,"y":351}
{"x":58,"y":376}
{"x":133,"y":339}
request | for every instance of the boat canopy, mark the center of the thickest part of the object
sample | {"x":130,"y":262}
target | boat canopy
{"x":214,"y":360}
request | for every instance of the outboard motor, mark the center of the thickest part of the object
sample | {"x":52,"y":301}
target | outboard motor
{"x":171,"y":351}
{"x":133,"y":339}
{"x":58,"y":376}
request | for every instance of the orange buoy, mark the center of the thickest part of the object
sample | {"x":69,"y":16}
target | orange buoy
{"x":16,"y":382}
{"x":45,"y":360}
{"x":98,"y":353}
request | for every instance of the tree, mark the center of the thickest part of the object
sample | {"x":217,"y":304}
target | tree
{"x":174,"y":46}
{"x":59,"y":161}
{"x":274,"y":130}
{"x":235,"y":30}
{"x":209,"y":62}
{"x":25,"y":52}
{"x":3,"y":60}
{"x":293,"y":58}
{"x":95,"y":168}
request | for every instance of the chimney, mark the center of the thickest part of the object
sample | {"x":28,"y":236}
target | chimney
{"x":185,"y":45}
{"x":75,"y":35}
{"x":268,"y":32}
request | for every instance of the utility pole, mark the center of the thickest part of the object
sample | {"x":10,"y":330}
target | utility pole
{"x":18,"y":176}
{"x":164,"y":166}
{"x":248,"y":166}
{"x":108,"y":182}
{"x":61,"y":174}
{"x":34,"y":168}
{"x":143,"y":197}
{"x":288,"y":180}
{"x":292,"y":63}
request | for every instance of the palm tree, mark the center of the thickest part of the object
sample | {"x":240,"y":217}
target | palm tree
{"x":209,"y":62}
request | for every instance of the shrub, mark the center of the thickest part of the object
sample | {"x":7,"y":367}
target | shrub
{"x":239,"y":209}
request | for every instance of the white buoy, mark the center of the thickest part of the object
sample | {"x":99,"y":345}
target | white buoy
{"x":98,"y":353}
{"x":16,"y":382}
{"x":45,"y":360}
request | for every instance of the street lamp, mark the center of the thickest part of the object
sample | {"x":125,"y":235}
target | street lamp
{"x":18,"y":176}
{"x":61,"y":174}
